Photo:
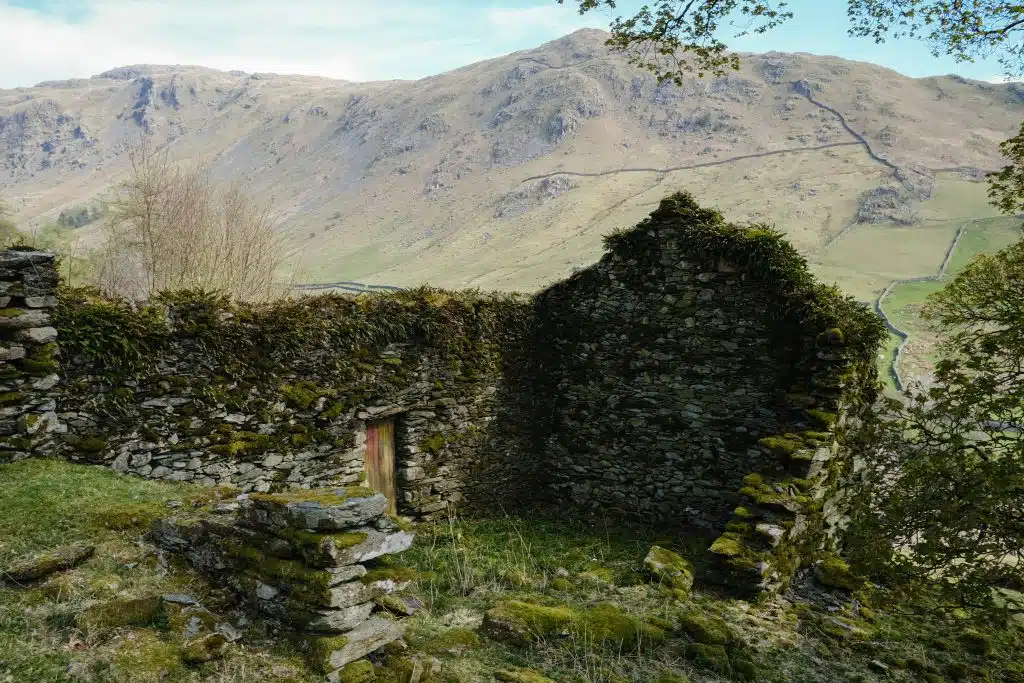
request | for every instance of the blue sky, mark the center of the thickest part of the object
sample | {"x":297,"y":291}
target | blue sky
{"x":366,"y":39}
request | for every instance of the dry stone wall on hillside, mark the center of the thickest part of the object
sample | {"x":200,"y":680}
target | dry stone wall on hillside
{"x":697,"y":375}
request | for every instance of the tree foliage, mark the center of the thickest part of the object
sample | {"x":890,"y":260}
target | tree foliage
{"x":673,"y":38}
{"x":946,"y":473}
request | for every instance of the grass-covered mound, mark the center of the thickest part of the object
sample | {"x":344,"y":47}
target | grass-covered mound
{"x":592,"y":611}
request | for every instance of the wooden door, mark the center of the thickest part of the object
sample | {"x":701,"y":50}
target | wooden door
{"x":380,"y":460}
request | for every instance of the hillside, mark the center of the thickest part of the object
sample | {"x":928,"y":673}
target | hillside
{"x":505,"y":174}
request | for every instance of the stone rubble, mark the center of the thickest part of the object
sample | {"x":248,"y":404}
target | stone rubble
{"x":297,"y":559}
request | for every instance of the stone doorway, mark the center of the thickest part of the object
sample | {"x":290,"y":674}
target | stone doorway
{"x":380,"y":460}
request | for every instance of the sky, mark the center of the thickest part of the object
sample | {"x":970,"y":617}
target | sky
{"x":363,"y":40}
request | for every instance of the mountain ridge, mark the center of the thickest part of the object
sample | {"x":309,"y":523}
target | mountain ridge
{"x":441,"y":179}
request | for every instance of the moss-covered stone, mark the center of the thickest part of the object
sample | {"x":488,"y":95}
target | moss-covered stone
{"x":833,"y":572}
{"x":608,"y":624}
{"x":712,"y":657}
{"x":523,"y":623}
{"x":705,"y":629}
{"x":669,"y":568}
{"x":359,"y":671}
{"x":204,"y":648}
{"x":123,"y":612}
{"x":40,"y":566}
{"x":521,"y":676}
{"x":320,"y":650}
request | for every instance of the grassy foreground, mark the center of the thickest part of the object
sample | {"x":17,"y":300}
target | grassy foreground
{"x":637,"y":631}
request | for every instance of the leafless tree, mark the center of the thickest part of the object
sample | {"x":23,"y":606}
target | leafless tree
{"x":170,"y":227}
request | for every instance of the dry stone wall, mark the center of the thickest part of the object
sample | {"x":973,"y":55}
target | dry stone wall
{"x":28,"y":369}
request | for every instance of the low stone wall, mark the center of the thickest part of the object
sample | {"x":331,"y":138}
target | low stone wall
{"x":305,"y":563}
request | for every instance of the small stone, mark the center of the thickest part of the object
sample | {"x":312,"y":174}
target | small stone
{"x":205,"y":648}
{"x":329,"y":654}
{"x":180,"y":599}
{"x":37,"y":335}
{"x":403,"y":606}
{"x":12,"y":352}
{"x":41,"y":301}
{"x":878,"y":666}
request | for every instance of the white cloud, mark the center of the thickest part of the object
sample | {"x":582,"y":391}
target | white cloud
{"x":550,"y":18}
{"x":350,"y":39}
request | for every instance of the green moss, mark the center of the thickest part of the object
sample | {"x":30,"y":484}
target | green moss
{"x":146,"y":657}
{"x":711,"y":657}
{"x":737,"y":526}
{"x":320,"y":649}
{"x":608,"y":624}
{"x":300,"y":395}
{"x":707,"y":630}
{"x":204,"y":648}
{"x":89,"y":444}
{"x":391,"y":360}
{"x":744,"y":670}
{"x":561,"y":583}
{"x":122,"y":612}
{"x":781,"y":446}
{"x":835,"y":573}
{"x":124,"y":394}
{"x":16,"y":443}
{"x":360,"y":671}
{"x":326,"y":497}
{"x":333,"y":411}
{"x":397,"y":574}
{"x":126,"y":516}
{"x":11,"y":312}
{"x":39,"y":367}
{"x":433,"y":444}
{"x":728,"y":544}
{"x":669,"y":568}
{"x":522,"y":623}
{"x":976,"y":643}
{"x":824,"y":418}
{"x":9,"y":397}
{"x":454,"y":641}
{"x":41,"y":565}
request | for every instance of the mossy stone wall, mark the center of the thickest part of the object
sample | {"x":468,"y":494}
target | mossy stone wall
{"x":192,"y":387}
{"x":693,"y":355}
{"x":28,"y":369}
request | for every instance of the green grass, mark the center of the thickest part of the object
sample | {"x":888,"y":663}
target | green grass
{"x":904,"y":302}
{"x":465,"y":568}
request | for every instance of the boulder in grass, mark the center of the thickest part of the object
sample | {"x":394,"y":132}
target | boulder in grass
{"x":328,"y":654}
{"x":669,"y":568}
{"x":40,"y":566}
{"x":122,"y":612}
{"x":522,"y":676}
{"x":316,"y":510}
{"x":204,"y":648}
